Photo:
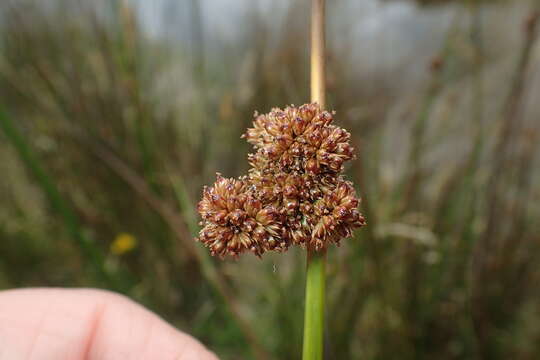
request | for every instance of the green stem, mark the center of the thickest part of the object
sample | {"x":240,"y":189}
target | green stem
{"x":314,"y":309}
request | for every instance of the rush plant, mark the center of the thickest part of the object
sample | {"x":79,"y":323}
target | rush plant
{"x":294,"y":192}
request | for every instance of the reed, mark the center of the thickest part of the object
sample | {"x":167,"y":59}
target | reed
{"x":316,"y":260}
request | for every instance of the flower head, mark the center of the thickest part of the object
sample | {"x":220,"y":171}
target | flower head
{"x":235,"y":221}
{"x":300,"y":139}
{"x":293,"y":194}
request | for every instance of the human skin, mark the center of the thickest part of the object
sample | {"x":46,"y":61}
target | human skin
{"x":85,"y":324}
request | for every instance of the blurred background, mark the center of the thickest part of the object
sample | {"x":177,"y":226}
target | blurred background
{"x":114,"y":114}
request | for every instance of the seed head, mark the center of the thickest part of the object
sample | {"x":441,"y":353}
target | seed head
{"x":234,"y":221}
{"x":293,"y":193}
{"x":300,"y":139}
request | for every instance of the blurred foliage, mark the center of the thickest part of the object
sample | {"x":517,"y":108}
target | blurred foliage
{"x":108,"y":135}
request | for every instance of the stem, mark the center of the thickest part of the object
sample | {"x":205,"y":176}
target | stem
{"x":318,"y":49}
{"x":314,"y":312}
{"x":316,"y":261}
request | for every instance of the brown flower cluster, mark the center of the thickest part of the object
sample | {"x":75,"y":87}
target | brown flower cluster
{"x":293,"y":194}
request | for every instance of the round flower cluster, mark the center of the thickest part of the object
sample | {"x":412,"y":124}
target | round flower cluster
{"x":293,"y":194}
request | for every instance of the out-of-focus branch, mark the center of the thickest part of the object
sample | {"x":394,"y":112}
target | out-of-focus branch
{"x":510,"y":125}
{"x":94,"y":256}
{"x":489,"y":246}
{"x":181,"y":230}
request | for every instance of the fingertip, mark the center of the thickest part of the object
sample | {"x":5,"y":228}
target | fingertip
{"x":88,"y":324}
{"x":197,"y":354}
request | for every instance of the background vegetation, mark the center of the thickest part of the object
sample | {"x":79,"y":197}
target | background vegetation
{"x":109,"y":129}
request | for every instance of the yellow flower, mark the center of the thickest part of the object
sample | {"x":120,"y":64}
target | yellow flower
{"x":123,"y":243}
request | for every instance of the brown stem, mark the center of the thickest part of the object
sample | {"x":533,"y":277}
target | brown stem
{"x":318,"y":50}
